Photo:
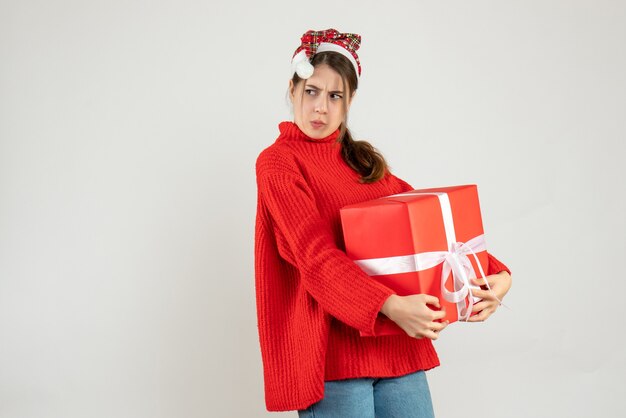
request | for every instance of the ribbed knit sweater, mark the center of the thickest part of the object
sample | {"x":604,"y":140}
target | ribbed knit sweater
{"x":312,"y":299}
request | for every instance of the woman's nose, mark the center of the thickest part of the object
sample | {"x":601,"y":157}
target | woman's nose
{"x":321,"y":105}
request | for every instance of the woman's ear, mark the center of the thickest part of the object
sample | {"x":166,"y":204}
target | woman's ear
{"x":291,"y":88}
{"x":351,"y":97}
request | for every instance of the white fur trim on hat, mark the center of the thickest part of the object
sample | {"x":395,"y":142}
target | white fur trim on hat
{"x":327,"y":46}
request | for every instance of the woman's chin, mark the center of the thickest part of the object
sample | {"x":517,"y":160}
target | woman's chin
{"x":316,"y":133}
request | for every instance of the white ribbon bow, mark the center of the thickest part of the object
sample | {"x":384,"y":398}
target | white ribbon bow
{"x":455,"y":261}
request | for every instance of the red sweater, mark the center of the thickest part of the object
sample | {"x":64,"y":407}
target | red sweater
{"x":311,"y":299}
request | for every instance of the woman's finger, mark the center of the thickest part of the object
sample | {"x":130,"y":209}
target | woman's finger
{"x":439,"y":314}
{"x":431,"y":334}
{"x":438,"y":326}
{"x":480,"y":306}
{"x":478,"y":281}
{"x":431,"y":300}
{"x":483,"y":294}
{"x":483,"y":315}
{"x":491,"y":280}
{"x":432,"y":331}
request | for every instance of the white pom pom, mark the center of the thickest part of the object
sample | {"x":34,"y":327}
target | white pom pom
{"x":304,"y":69}
{"x":300,"y":65}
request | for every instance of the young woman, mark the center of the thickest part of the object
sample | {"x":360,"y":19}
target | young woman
{"x":312,"y":300}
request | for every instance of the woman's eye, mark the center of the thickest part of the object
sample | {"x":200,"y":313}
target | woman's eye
{"x":313,"y":92}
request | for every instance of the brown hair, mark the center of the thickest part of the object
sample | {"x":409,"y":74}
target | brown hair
{"x":362,"y":156}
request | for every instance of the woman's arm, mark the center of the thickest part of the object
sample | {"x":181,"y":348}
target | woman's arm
{"x":306,"y":240}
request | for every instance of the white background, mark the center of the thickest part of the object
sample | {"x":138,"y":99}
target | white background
{"x":128,"y":136}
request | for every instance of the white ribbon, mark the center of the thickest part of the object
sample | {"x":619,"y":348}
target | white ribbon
{"x":455,"y":260}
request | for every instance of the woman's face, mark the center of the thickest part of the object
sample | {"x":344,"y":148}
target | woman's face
{"x":320,"y":111}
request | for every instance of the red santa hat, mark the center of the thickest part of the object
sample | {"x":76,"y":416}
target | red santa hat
{"x":313,"y":42}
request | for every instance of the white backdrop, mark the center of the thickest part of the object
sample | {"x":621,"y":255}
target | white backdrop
{"x":128,"y":136}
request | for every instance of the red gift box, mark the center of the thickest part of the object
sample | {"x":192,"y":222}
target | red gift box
{"x":421,"y":241}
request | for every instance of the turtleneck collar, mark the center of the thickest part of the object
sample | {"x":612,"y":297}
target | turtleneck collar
{"x":289,"y":130}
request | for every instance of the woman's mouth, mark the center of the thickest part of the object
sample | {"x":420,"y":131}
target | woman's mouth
{"x":317,"y":124}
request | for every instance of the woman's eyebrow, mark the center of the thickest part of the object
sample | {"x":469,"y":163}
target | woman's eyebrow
{"x":317,"y":88}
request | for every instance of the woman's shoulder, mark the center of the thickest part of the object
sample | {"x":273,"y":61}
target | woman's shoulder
{"x":404,"y":186}
{"x":276,"y":156}
{"x":275,"y":151}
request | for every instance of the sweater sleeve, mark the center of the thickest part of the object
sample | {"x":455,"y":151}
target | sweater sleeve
{"x":495,"y":265}
{"x":405,"y":187}
{"x":327,"y":273}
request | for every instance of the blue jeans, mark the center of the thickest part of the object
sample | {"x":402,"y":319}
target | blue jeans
{"x":405,"y":396}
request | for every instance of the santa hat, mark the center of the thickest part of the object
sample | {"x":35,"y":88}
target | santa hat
{"x":313,"y":42}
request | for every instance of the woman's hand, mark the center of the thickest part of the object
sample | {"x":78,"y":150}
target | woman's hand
{"x":412,"y":314}
{"x":500,"y":284}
